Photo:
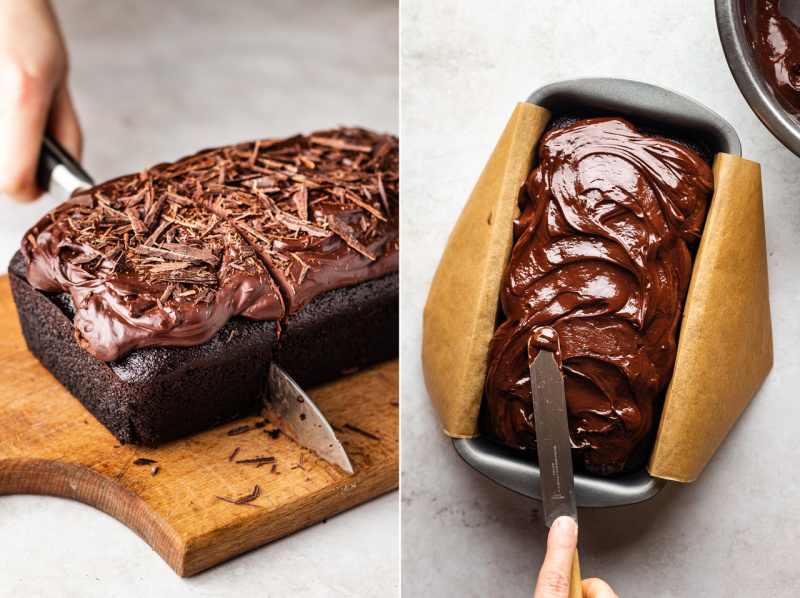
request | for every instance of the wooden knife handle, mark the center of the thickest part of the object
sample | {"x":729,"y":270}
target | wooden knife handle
{"x":575,"y":587}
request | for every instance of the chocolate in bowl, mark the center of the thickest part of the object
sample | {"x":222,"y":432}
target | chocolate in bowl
{"x":777,"y":114}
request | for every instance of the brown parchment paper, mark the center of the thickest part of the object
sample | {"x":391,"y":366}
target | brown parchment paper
{"x":725,"y":344}
{"x":459,"y":316}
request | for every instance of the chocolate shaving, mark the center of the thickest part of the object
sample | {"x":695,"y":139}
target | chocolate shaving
{"x":255,"y":234}
{"x":360,"y":431}
{"x":179,"y":199}
{"x":254,"y":155}
{"x":113,"y":253}
{"x":211,"y":224}
{"x":154,"y":470}
{"x":355,"y":199}
{"x":164,"y":225}
{"x":244,"y":500}
{"x":192,"y":252}
{"x":233,"y":454}
{"x":169,"y":266}
{"x":295,"y":224}
{"x":339,"y":144}
{"x":382,"y":191}
{"x":239,"y":430}
{"x":167,"y":254}
{"x":303,"y":273}
{"x":84,"y":199}
{"x":154,"y":212}
{"x":85,"y":258}
{"x":139,"y":227}
{"x":259,"y":460}
{"x":301,"y":200}
{"x":264,"y":182}
{"x":346,"y":233}
{"x":267,"y":201}
{"x":167,"y":292}
{"x":194,"y":276}
{"x":143,"y":461}
{"x":250,"y":497}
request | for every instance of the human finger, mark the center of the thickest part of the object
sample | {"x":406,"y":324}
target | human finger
{"x":63,"y":123}
{"x":597,"y":588}
{"x":23,"y":118}
{"x":554,"y":576}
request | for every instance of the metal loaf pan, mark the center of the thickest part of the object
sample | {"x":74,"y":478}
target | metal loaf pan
{"x":643,"y":104}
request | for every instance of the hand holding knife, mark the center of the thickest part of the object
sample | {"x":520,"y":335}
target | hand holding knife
{"x":552,"y":436}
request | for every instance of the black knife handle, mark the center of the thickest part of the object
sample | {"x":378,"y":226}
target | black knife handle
{"x":52,"y":155}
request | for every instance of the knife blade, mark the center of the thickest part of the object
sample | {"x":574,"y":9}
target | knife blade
{"x":552,"y":436}
{"x":291,"y":409}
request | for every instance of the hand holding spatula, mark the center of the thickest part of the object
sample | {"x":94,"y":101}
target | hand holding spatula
{"x":555,"y":465}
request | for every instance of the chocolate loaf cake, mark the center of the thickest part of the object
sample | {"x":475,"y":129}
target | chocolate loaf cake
{"x":602,"y":254}
{"x":159,"y":299}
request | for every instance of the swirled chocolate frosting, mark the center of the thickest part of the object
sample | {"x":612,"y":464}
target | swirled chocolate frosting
{"x":168,"y":256}
{"x":776,"y":46}
{"x":602,"y":256}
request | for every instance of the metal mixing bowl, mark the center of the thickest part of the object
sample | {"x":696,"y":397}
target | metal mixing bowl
{"x":774,"y":112}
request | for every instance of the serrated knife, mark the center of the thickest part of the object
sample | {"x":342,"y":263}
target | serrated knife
{"x":552,"y":437}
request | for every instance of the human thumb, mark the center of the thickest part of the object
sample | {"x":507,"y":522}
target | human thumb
{"x":554,"y":577}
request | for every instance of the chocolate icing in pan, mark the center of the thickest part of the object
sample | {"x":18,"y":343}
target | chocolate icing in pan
{"x":602,"y":255}
{"x":167,"y":257}
{"x":776,"y":46}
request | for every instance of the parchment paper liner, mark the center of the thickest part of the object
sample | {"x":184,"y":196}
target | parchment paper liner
{"x":725,"y":343}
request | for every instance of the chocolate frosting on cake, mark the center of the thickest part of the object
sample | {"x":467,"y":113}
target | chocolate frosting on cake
{"x":602,"y":255}
{"x":167,"y":257}
{"x":776,"y":46}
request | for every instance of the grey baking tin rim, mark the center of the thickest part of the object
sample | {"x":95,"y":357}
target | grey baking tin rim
{"x":514,"y":469}
{"x":745,"y":71}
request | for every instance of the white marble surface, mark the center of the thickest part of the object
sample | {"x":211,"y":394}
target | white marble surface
{"x":154,"y":81}
{"x":733,"y":532}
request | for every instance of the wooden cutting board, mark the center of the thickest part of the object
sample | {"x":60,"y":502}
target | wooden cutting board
{"x":50,"y":444}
